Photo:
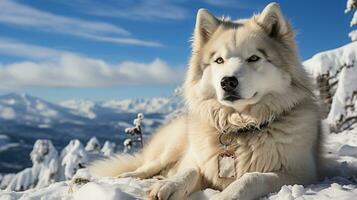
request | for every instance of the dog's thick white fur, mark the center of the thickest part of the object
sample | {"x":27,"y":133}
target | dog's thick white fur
{"x":260,"y":53}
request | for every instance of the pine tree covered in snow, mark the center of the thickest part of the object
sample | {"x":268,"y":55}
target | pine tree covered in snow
{"x":351,"y":5}
{"x":49,"y":167}
{"x":336,"y":74}
{"x":93,"y":145}
{"x":134,"y":134}
{"x":108,"y":149}
{"x":73,"y":157}
{"x":43,"y":172}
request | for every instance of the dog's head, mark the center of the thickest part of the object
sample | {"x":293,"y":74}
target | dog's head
{"x":238,"y":63}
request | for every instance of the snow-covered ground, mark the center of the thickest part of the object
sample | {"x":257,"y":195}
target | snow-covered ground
{"x":343,"y":146}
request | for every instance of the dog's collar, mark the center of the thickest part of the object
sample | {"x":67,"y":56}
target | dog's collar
{"x":252,"y":129}
{"x":226,"y":138}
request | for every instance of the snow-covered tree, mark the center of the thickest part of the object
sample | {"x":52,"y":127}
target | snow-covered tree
{"x":5,"y":179}
{"x":134,"y":134}
{"x":335,"y":71}
{"x":48,"y":167}
{"x":93,"y":145}
{"x":73,"y":157}
{"x":108,"y":149}
{"x":43,"y":172}
{"x":351,"y":5}
{"x":128,"y":144}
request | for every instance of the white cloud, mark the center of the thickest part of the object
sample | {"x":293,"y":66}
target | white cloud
{"x":54,"y":68}
{"x":130,"y":41}
{"x":76,"y":71}
{"x":131,"y":9}
{"x":147,"y":9}
{"x":16,"y":14}
{"x":14,"y":48}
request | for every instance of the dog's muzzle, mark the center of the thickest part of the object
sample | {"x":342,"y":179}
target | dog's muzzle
{"x":229,"y":85}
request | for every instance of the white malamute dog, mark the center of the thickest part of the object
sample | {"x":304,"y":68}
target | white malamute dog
{"x":252,"y":124}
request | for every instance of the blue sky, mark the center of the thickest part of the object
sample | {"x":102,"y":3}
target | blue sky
{"x":116,"y":49}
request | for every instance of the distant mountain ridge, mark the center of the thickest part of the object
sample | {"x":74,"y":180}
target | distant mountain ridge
{"x":150,"y":105}
{"x":9,"y":103}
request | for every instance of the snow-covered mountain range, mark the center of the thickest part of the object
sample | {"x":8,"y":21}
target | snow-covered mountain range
{"x":25,"y":118}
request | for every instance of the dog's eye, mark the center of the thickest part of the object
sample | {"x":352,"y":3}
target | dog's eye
{"x":253,"y":58}
{"x":219,"y":60}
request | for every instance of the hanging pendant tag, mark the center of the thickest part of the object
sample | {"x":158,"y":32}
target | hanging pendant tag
{"x":226,"y":165}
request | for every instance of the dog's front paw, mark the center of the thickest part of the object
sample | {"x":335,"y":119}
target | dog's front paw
{"x":164,"y":190}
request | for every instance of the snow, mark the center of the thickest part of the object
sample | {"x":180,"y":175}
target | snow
{"x":324,"y":190}
{"x":350,"y":6}
{"x":72,"y":156}
{"x":353,"y":35}
{"x":130,"y":189}
{"x":6,"y":179}
{"x":93,"y":145}
{"x":348,"y":150}
{"x":108,"y":149}
{"x":346,"y":86}
{"x":331,"y":60}
{"x":45,"y":110}
{"x":9,"y":101}
{"x":23,"y":107}
{"x":152,"y":105}
{"x":354,"y":19}
{"x":341,"y":66}
{"x":105,"y":188}
{"x":134,"y":135}
{"x":80,"y":107}
{"x":49,"y":168}
{"x":45,"y":165}
{"x":7,"y":113}
{"x":94,"y":191}
{"x":342,"y":146}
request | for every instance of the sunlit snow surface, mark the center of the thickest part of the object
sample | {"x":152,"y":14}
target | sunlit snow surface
{"x":343,"y":146}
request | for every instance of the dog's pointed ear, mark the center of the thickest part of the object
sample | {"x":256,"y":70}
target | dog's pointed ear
{"x":206,"y":24}
{"x":273,"y":21}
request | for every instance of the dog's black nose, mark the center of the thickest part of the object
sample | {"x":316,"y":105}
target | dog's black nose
{"x":228,"y":84}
